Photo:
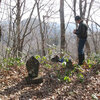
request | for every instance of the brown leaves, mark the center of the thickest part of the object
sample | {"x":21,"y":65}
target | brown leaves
{"x":12,"y":87}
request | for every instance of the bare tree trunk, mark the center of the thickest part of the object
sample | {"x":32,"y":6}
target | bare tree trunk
{"x":94,"y":38}
{"x":18,"y":19}
{"x":89,"y":10}
{"x":37,"y":41}
{"x":82,"y":8}
{"x":74,"y":4}
{"x":10,"y":27}
{"x":41,"y":32}
{"x":87,"y":43}
{"x":0,"y":33}
{"x":62,"y":25}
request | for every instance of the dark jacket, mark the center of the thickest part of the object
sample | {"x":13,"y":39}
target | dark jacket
{"x":81,"y":32}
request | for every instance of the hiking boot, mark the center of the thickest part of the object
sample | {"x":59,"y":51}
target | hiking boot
{"x":81,"y":59}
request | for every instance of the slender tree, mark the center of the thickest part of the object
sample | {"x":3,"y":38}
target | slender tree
{"x":18,"y":22}
{"x":62,"y":25}
{"x":41,"y":31}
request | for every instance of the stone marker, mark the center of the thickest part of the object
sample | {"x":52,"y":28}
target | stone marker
{"x":32,"y":66}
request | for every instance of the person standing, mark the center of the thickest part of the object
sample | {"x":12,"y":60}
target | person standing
{"x":81,"y":33}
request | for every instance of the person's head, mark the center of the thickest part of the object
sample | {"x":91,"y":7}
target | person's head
{"x":78,"y":19}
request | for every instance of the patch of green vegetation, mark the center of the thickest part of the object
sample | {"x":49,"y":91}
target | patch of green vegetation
{"x":48,"y":66}
{"x":11,"y":62}
{"x":69,"y":72}
{"x":80,"y":77}
{"x":37,"y":57}
{"x":94,"y":59}
{"x":67,"y":79}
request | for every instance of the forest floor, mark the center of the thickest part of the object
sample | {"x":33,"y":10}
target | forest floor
{"x":14,"y":87}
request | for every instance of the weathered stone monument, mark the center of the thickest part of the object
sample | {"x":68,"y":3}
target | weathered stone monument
{"x":32,"y":66}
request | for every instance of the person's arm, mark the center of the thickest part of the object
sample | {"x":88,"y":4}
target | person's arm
{"x":79,"y":30}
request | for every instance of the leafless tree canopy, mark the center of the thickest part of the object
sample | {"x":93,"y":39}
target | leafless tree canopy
{"x":33,"y":27}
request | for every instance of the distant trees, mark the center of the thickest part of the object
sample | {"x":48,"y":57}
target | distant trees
{"x":34,"y":34}
{"x":20,"y":35}
{"x":16,"y":33}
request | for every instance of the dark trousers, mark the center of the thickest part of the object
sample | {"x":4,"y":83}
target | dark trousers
{"x":81,"y":44}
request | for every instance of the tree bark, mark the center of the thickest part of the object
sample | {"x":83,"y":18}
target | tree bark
{"x":18,"y":19}
{"x":62,"y":25}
